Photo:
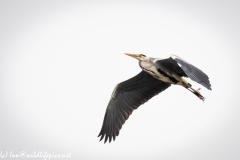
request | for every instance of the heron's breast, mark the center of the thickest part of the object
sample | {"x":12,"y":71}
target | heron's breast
{"x":152,"y":70}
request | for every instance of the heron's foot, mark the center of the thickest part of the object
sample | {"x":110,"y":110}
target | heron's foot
{"x":197,"y":93}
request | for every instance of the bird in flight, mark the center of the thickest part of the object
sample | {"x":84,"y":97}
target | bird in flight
{"x":156,"y":76}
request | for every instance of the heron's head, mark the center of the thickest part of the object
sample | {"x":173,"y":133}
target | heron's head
{"x":140,"y":57}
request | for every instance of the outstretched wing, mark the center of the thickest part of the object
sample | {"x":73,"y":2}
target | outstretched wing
{"x":193,"y":72}
{"x":126,"y":97}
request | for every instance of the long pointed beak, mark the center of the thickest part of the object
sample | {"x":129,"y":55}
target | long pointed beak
{"x":132,"y":55}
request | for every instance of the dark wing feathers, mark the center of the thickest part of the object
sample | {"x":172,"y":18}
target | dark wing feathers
{"x":127,"y":96}
{"x":193,"y":72}
{"x":169,"y":64}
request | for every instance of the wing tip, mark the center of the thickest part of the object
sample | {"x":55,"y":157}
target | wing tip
{"x":206,"y":85}
{"x":106,"y":137}
{"x":103,"y":135}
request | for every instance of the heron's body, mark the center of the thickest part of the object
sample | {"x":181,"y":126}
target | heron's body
{"x":150,"y":68}
{"x":156,"y":76}
{"x":150,"y":65}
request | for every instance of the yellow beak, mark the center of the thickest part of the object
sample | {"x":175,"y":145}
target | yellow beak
{"x":132,"y":55}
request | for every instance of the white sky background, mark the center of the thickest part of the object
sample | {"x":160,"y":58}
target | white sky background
{"x":60,"y":60}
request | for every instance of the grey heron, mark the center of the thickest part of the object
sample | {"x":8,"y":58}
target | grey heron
{"x":156,"y":76}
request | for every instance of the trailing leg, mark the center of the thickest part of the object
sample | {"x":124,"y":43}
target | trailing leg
{"x":197,"y":93}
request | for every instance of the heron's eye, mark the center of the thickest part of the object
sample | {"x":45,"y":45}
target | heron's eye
{"x":143,"y":55}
